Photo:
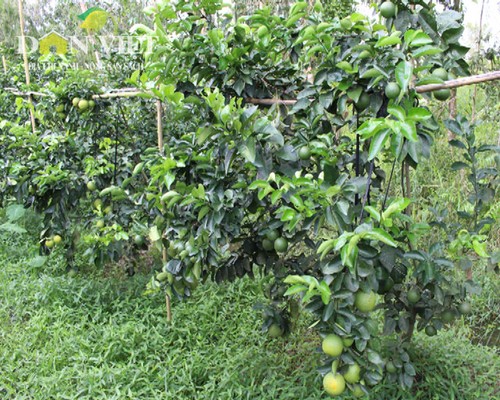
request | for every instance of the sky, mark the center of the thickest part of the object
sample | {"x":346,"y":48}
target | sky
{"x":491,"y":22}
{"x":472,"y":12}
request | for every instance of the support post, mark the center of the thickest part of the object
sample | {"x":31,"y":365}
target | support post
{"x":159,"y":122}
{"x":26,"y":65}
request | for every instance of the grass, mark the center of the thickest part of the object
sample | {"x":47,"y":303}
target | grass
{"x":91,"y":337}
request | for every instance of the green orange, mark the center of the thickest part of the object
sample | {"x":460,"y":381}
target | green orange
{"x":334,"y":385}
{"x":332,"y":345}
{"x":304,"y":153}
{"x":388,"y":9}
{"x":365,"y":302}
{"x":281,"y":245}
{"x":392,"y":90}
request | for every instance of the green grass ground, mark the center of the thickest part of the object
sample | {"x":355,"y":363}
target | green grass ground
{"x":91,"y":337}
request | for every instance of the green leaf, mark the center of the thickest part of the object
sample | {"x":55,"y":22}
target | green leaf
{"x":154,"y":234}
{"x":354,"y":94}
{"x":373,"y":213}
{"x":295,"y":289}
{"x":397,"y":111}
{"x":325,"y":292}
{"x":409,"y":130}
{"x":419,"y":39}
{"x":204,"y":133}
{"x":294,"y":279}
{"x":275,"y":196}
{"x":15,"y":212}
{"x":297,"y":202}
{"x":203,"y":212}
{"x":288,"y":215}
{"x":326,"y":247}
{"x":248,"y":150}
{"x":415,"y":255}
{"x":347,"y":67}
{"x":396,"y":206}
{"x":427,"y":51}
{"x":371,"y":127}
{"x":457,"y":143}
{"x":381,"y":236}
{"x":480,"y":248}
{"x":418,"y":114}
{"x":404,"y":71}
{"x":388,"y":41}
{"x":371,"y":73}
{"x":378,"y":142}
{"x":459,"y":165}
{"x":198,"y":192}
{"x":259,"y":184}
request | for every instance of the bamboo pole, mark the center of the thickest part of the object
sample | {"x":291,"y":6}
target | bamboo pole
{"x":123,"y":93}
{"x":454,"y":83}
{"x":159,"y":122}
{"x":270,"y":102}
{"x":4,"y":62}
{"x":478,"y":50}
{"x":169,"y":308}
{"x":30,"y":93}
{"x":26,"y":65}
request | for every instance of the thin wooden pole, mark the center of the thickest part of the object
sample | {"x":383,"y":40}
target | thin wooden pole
{"x":25,"y":58}
{"x":124,"y":93}
{"x":4,"y":62}
{"x":169,"y":307}
{"x":270,"y":102}
{"x":159,"y":123}
{"x":454,"y":83}
{"x":478,"y":50}
{"x":30,"y":93}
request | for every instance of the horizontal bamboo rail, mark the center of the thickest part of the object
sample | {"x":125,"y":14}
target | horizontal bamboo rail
{"x":454,"y":83}
{"x":25,"y":94}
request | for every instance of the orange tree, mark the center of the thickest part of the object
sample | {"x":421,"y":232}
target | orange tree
{"x":82,"y":146}
{"x":300,"y":191}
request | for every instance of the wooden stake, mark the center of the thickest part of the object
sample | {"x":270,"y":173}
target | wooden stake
{"x":159,"y":121}
{"x":169,"y":308}
{"x":30,"y":93}
{"x":270,"y":102}
{"x":123,"y":93}
{"x":26,"y":65}
{"x":4,"y":62}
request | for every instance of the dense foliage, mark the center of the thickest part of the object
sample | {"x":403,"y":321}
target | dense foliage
{"x":301,"y":191}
